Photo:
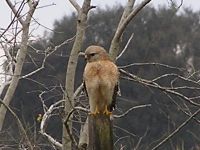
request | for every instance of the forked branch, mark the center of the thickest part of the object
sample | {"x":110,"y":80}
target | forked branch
{"x":125,"y":20}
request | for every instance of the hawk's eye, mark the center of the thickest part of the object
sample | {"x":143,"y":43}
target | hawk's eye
{"x":92,"y":54}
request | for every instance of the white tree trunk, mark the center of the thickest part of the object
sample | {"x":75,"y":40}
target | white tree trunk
{"x":21,"y":55}
{"x":72,"y":64}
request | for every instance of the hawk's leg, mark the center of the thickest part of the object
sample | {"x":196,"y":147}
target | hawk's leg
{"x":106,"y":111}
{"x":95,"y":112}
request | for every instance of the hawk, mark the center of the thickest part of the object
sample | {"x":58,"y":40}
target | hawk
{"x":101,"y":80}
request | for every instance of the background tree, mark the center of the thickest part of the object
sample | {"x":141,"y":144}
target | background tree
{"x":159,"y":69}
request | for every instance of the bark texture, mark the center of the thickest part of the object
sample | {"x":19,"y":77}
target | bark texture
{"x":21,"y":55}
{"x":100,"y":132}
{"x":72,"y":64}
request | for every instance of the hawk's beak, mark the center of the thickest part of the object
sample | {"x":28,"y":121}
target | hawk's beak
{"x":86,"y":57}
{"x":82,"y":54}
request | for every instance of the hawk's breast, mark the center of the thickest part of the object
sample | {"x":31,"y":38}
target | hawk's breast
{"x":101,"y":73}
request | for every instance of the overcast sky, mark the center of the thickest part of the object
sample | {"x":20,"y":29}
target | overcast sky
{"x":47,"y":15}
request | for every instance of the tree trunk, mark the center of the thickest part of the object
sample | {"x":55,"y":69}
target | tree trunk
{"x":71,"y":67}
{"x":15,"y":79}
{"x":70,"y":76}
{"x":127,"y":16}
{"x":100,"y":132}
{"x":21,"y":55}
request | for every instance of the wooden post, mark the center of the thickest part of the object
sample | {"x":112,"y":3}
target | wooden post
{"x":100,"y":132}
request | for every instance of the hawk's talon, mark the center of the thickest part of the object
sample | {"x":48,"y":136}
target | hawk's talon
{"x":96,"y":112}
{"x":106,"y":111}
{"x":91,"y":113}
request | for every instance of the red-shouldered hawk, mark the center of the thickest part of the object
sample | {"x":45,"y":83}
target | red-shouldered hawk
{"x":101,"y":80}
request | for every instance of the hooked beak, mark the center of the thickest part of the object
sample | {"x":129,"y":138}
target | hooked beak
{"x":86,"y":57}
{"x":82,"y":54}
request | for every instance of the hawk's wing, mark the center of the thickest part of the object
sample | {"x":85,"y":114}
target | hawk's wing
{"x":111,"y":107}
{"x":85,"y":89}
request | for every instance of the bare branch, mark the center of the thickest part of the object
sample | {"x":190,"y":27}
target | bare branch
{"x":47,"y":115}
{"x":2,"y":87}
{"x":122,"y":52}
{"x":118,"y":140}
{"x":175,"y":5}
{"x":42,"y":101}
{"x":72,"y":64}
{"x":176,"y":130}
{"x":46,"y":56}
{"x":45,"y":27}
{"x":72,"y":111}
{"x":155,"y":85}
{"x":16,"y":12}
{"x":76,"y":5}
{"x":140,"y":139}
{"x":153,"y":64}
{"x":78,"y":90}
{"x":32,"y":7}
{"x":23,"y":131}
{"x":188,"y":114}
{"x":67,"y":119}
{"x":45,"y":118}
{"x":130,"y":17}
{"x":129,"y":110}
{"x":114,"y":47}
{"x":21,"y":55}
{"x":124,"y":130}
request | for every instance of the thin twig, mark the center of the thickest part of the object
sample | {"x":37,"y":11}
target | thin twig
{"x":48,"y":55}
{"x":16,"y":13}
{"x":45,"y":118}
{"x":19,"y":124}
{"x":179,"y":107}
{"x":176,"y":130}
{"x":67,"y":126}
{"x":153,"y":64}
{"x":156,"y":85}
{"x":129,"y":110}
{"x":78,"y":90}
{"x":124,"y":130}
{"x":129,"y":40}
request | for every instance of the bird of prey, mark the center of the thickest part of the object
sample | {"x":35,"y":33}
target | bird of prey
{"x":101,"y":77}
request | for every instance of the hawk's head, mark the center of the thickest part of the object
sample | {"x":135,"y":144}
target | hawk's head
{"x":96,"y":53}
